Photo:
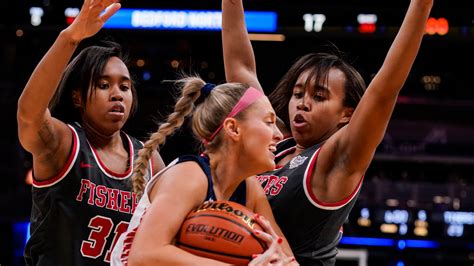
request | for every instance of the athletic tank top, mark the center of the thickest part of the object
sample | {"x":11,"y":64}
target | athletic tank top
{"x":78,"y":214}
{"x":123,"y":246}
{"x":313,"y":228}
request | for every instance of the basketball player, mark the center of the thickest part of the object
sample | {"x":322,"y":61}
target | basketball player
{"x":237,"y":126}
{"x":320,"y":170}
{"x":82,"y":192}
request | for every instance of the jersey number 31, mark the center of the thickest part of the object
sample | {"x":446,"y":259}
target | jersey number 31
{"x":101,"y":227}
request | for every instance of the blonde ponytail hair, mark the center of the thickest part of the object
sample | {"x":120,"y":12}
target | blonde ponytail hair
{"x":184,"y":107}
{"x":208,"y":116}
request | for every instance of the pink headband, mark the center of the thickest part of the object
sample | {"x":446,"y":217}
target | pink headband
{"x":250,"y":96}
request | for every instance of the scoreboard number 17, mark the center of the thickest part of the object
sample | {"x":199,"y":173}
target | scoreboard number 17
{"x":313,"y":22}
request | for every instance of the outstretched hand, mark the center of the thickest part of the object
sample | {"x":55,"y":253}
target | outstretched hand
{"x":274,"y":255}
{"x":91,"y":18}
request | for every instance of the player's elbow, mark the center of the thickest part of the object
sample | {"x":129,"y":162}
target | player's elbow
{"x":22,"y":114}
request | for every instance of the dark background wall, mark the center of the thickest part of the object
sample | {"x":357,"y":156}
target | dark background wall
{"x":425,"y":162}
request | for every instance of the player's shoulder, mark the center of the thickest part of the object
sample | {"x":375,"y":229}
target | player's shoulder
{"x":188,"y":169}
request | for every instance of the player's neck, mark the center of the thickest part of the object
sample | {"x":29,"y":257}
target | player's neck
{"x":100,"y":140}
{"x":226,"y":175}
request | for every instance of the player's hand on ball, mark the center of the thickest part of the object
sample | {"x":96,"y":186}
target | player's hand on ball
{"x":274,"y":255}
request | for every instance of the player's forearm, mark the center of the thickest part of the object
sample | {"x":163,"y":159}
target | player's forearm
{"x":44,"y":81}
{"x":404,"y":49}
{"x":239,"y":59}
{"x":370,"y":119}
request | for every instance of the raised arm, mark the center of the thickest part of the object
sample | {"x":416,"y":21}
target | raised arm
{"x":48,"y":139}
{"x":356,"y":143}
{"x":239,"y":59}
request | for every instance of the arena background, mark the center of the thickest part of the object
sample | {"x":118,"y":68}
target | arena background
{"x":417,"y":201}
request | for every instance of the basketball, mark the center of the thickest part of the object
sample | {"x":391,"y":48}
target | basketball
{"x":221,"y":230}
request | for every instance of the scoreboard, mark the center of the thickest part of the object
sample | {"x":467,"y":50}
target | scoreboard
{"x":425,"y":228}
{"x":284,"y":17}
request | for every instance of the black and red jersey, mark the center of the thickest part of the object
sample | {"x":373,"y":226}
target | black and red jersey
{"x":313,"y":228}
{"x":78,"y":215}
